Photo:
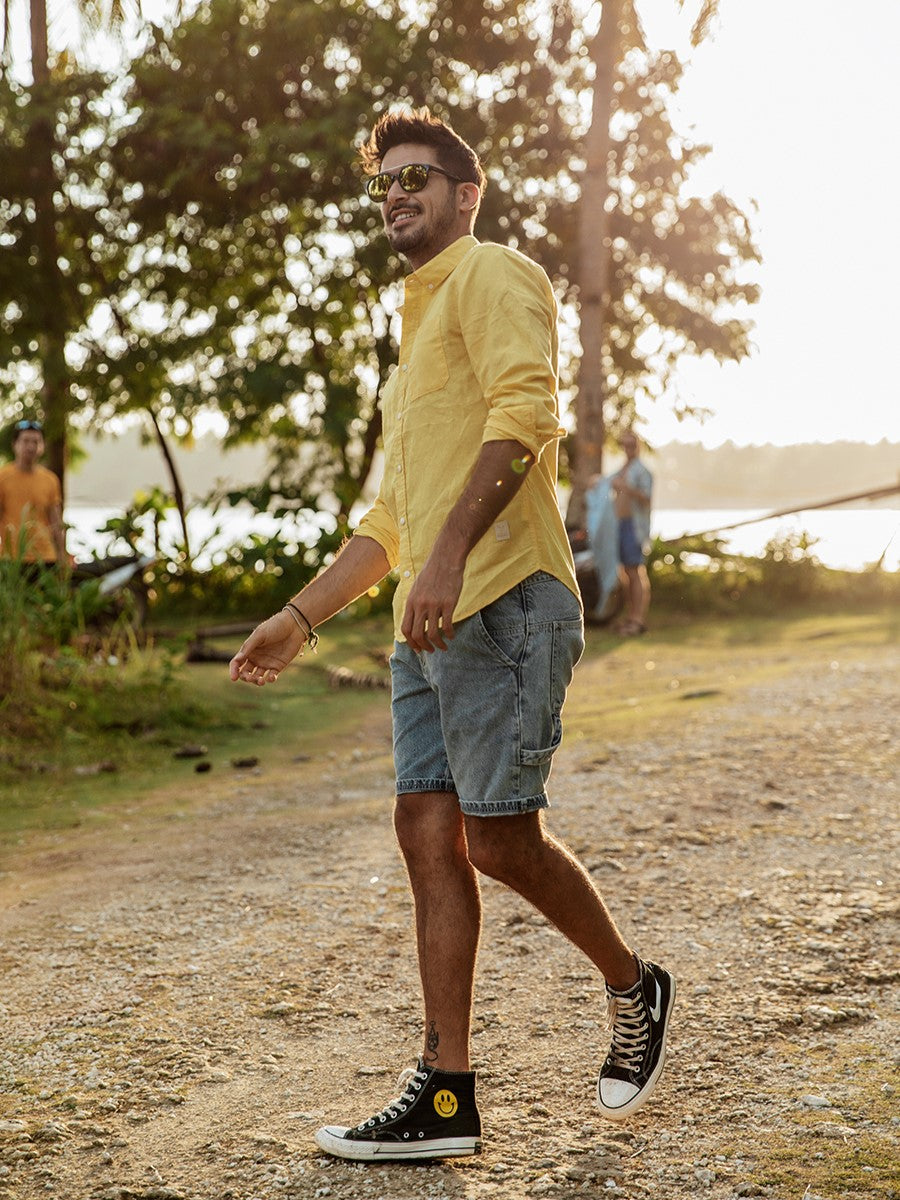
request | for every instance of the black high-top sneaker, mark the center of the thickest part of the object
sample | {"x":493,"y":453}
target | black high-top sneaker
{"x":433,"y":1117}
{"x":638,"y":1018}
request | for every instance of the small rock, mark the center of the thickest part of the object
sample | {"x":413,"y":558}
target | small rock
{"x":215,"y":1075}
{"x":831,"y":1129}
{"x":282,"y":1009}
{"x":190,"y":752}
{"x":101,"y":768}
{"x":202,"y":767}
{"x":53,"y":1131}
{"x":543,"y":1186}
{"x":243,"y":764}
{"x":815,"y":1101}
{"x":705,"y":1176}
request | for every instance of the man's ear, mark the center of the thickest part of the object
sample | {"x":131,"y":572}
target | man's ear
{"x":469,"y":197}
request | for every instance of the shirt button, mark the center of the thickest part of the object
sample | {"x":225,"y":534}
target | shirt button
{"x":399,"y":468}
{"x":405,"y":367}
{"x":403,"y":520}
{"x":406,"y":574}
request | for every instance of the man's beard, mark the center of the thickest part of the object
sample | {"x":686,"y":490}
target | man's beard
{"x":417,"y":237}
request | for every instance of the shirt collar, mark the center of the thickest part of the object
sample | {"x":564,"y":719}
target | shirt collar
{"x":436,"y":270}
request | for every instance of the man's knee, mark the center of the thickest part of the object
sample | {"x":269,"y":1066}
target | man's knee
{"x":504,"y":847}
{"x":428,"y":823}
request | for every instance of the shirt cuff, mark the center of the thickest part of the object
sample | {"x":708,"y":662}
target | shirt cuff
{"x":533,"y":427}
{"x":378,"y":526}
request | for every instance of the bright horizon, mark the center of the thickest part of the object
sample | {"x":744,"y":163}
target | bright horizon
{"x":786,"y":94}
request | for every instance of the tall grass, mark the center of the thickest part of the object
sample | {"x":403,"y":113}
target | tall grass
{"x":44,"y":617}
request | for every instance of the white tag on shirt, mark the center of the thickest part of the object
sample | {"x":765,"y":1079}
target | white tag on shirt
{"x":501,"y":531}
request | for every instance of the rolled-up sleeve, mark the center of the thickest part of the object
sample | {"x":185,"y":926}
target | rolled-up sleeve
{"x":379,"y":525}
{"x":510,"y":331}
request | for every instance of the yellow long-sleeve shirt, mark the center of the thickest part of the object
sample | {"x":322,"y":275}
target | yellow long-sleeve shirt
{"x":478,"y":363}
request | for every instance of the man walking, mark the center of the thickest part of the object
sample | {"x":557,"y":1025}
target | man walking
{"x":632,"y":488}
{"x":488,"y":628}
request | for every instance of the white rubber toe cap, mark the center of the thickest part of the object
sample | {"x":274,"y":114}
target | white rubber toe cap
{"x":616,"y":1094}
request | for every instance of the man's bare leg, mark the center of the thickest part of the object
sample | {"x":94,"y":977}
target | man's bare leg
{"x":432,"y":838}
{"x":638,"y":594}
{"x":518,"y":852}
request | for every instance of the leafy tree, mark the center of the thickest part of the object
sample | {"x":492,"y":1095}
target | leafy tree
{"x":245,"y":275}
{"x":251,"y":262}
{"x":55,"y":262}
{"x":48,"y":122}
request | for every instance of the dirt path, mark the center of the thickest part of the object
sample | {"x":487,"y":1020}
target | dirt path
{"x":185,"y":999}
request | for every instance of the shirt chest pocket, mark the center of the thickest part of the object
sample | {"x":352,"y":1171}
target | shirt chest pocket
{"x":427,"y":370}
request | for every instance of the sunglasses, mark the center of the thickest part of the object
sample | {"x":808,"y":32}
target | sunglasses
{"x":35,"y":425}
{"x":412,"y":178}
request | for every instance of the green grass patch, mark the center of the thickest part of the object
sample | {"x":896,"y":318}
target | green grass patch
{"x":101,"y":736}
{"x":820,"y":1154}
{"x":134,"y":716}
{"x":630,"y":688}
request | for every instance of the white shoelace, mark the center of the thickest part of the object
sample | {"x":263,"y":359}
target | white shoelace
{"x":629,"y":1026}
{"x":411,"y":1076}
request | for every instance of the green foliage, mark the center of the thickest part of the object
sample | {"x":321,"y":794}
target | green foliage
{"x":42,"y":614}
{"x":697,"y":575}
{"x":214,"y":251}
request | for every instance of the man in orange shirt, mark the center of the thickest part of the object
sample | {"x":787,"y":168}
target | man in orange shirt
{"x":31,"y":525}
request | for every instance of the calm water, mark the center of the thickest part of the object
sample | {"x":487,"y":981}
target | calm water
{"x":848,"y":538}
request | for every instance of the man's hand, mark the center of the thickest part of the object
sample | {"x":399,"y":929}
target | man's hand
{"x":267,"y":651}
{"x":428,"y":617}
{"x":499,"y":472}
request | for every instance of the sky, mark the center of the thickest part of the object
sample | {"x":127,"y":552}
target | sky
{"x":800,"y":101}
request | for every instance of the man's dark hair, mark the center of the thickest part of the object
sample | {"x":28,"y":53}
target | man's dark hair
{"x":418,"y":125}
{"x":21,"y":427}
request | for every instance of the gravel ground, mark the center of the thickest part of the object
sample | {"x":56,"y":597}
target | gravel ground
{"x":187,"y":996}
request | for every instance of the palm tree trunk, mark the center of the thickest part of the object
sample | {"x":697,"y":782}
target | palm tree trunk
{"x":55,"y":393}
{"x":595,"y":259}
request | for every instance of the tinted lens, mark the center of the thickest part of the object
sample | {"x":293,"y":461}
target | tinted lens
{"x":413,"y":178}
{"x":35,"y":425}
{"x":378,"y":187}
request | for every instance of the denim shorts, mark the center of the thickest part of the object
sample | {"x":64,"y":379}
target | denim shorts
{"x":631,"y":552}
{"x":482,"y":719}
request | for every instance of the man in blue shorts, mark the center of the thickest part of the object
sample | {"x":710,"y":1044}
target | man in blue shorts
{"x":488,"y":629}
{"x":632,"y":489}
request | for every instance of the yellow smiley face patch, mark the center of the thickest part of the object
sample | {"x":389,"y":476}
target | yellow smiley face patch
{"x":445,"y":1104}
